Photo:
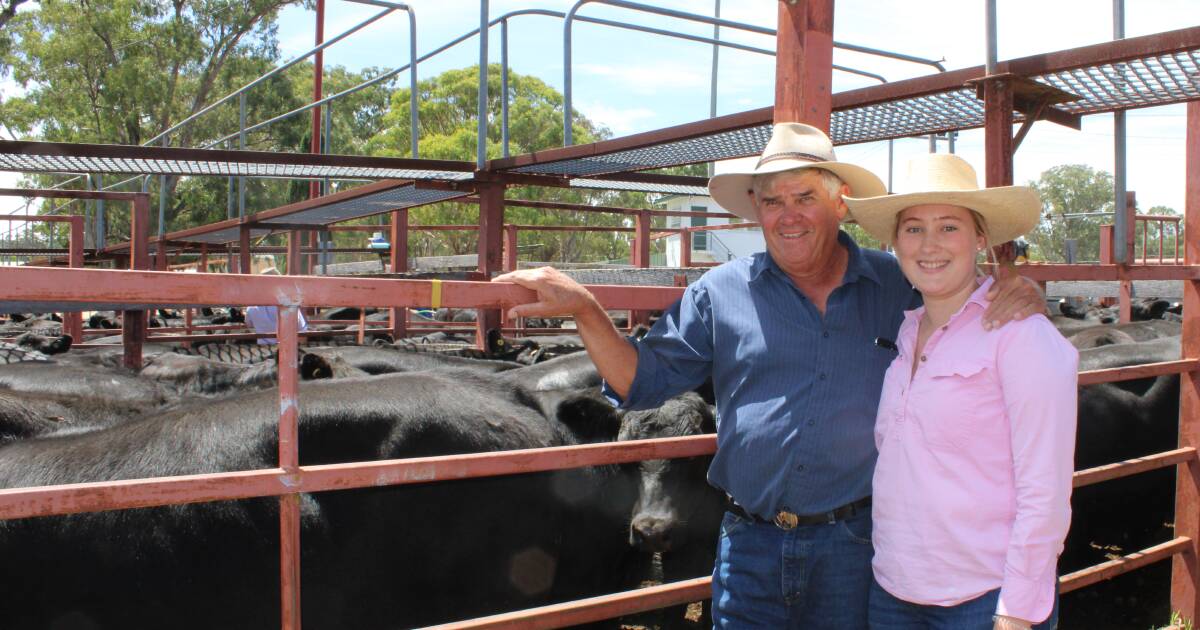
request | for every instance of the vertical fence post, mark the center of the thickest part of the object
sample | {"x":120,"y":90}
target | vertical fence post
{"x":1185,"y":572}
{"x":685,"y":248}
{"x":510,"y":264}
{"x":244,"y":249}
{"x":491,"y":235}
{"x":641,"y":259}
{"x":73,"y":321}
{"x":289,"y":461}
{"x":804,"y":62}
{"x":399,"y":260}
{"x":133,"y":323}
{"x":293,"y":253}
{"x":1129,"y":237}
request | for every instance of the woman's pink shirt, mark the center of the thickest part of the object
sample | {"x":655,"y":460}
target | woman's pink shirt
{"x":973,"y":483}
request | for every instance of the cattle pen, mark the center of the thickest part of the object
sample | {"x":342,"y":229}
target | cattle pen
{"x":1057,"y":87}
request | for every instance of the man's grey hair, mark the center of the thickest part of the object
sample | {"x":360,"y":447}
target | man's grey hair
{"x":833,"y":184}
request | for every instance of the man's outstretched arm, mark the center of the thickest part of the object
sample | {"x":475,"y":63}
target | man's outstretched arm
{"x":559,"y":295}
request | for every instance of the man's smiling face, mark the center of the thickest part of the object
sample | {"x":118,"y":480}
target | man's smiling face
{"x":800,"y":220}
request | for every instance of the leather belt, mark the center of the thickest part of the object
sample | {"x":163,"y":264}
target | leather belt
{"x":790,"y":520}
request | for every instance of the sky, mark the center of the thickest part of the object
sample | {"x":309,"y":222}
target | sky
{"x":632,"y":82}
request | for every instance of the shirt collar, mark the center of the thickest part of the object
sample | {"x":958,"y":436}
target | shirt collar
{"x":978,"y":297}
{"x":856,"y":265}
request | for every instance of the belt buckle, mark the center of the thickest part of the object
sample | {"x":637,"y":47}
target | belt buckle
{"x":786,"y":520}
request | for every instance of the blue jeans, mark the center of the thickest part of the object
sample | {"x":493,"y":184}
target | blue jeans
{"x":889,"y":612}
{"x":813,"y":577}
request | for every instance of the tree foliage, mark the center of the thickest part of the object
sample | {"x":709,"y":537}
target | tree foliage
{"x":1066,"y":190}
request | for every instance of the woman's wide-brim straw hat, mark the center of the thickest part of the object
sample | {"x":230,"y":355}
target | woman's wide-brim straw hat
{"x":943,"y":178}
{"x":792,"y":146}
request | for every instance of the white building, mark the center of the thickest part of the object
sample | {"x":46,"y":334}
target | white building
{"x":716,"y":246}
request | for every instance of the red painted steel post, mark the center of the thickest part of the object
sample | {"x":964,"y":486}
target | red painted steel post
{"x":642,"y":222}
{"x":510,"y":264}
{"x":399,"y":260}
{"x":685,"y":249}
{"x":289,"y":461}
{"x":133,"y":323}
{"x":1126,"y":301}
{"x":293,"y":253}
{"x":491,"y":235}
{"x":244,"y":259}
{"x":314,"y":187}
{"x":1106,"y":244}
{"x":1185,"y":570}
{"x":997,"y":135}
{"x":804,"y":62}
{"x":73,"y":321}
{"x":510,"y":247}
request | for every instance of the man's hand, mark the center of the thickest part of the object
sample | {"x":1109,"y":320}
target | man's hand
{"x":557,"y":293}
{"x":1013,"y":297}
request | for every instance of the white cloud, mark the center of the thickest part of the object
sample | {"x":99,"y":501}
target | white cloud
{"x":651,"y":78}
{"x":621,"y":121}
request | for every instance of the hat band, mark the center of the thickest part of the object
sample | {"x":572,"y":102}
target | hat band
{"x":792,"y":155}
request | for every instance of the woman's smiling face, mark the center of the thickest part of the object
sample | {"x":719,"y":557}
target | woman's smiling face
{"x":936,"y":245}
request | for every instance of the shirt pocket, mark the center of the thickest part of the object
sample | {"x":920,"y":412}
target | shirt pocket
{"x":956,"y":402}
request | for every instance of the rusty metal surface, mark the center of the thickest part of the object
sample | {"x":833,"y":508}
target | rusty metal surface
{"x":61,"y":157}
{"x":1133,"y":466}
{"x":1136,"y":72}
{"x":592,"y":609}
{"x":1185,"y":569}
{"x":135,"y":493}
{"x":1111,"y":569}
{"x":144,"y":288}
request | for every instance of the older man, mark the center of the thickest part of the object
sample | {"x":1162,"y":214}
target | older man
{"x":796,"y":341}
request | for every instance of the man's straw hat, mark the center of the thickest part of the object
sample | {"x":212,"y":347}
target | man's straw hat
{"x":943,"y":178}
{"x":792,"y":146}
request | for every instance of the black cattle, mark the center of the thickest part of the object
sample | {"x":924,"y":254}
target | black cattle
{"x":103,"y":319}
{"x":42,"y":343}
{"x":677,"y":514}
{"x":386,"y":360}
{"x":194,"y":375}
{"x":386,"y":557}
{"x":1119,"y":421}
{"x":76,"y":380}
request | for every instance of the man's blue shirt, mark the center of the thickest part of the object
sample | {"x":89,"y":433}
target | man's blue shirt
{"x":796,"y":392}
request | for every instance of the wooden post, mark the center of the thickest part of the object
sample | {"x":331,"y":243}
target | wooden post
{"x":491,"y":235}
{"x":399,"y":260}
{"x":160,"y":255}
{"x":203,"y":258}
{"x":641,"y":259}
{"x":804,"y":62}
{"x":1185,"y":572}
{"x":133,"y":323}
{"x":1106,"y":244}
{"x":289,"y":460}
{"x":244,"y":249}
{"x":73,"y":321}
{"x":293,"y":253}
{"x":1126,"y":292}
{"x":510,"y":264}
{"x":685,"y":249}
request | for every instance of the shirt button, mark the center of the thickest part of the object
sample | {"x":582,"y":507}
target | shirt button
{"x":825,"y":334}
{"x":811,"y":422}
{"x":799,"y":468}
{"x":945,"y":327}
{"x":922,"y":357}
{"x":822,"y":376}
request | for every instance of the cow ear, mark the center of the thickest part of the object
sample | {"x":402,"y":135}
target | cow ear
{"x":590,"y":418}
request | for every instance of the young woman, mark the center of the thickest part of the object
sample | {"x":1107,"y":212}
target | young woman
{"x":976,"y":427}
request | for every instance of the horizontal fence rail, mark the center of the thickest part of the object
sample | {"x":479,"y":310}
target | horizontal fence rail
{"x":139,"y":493}
{"x":1125,"y":564}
